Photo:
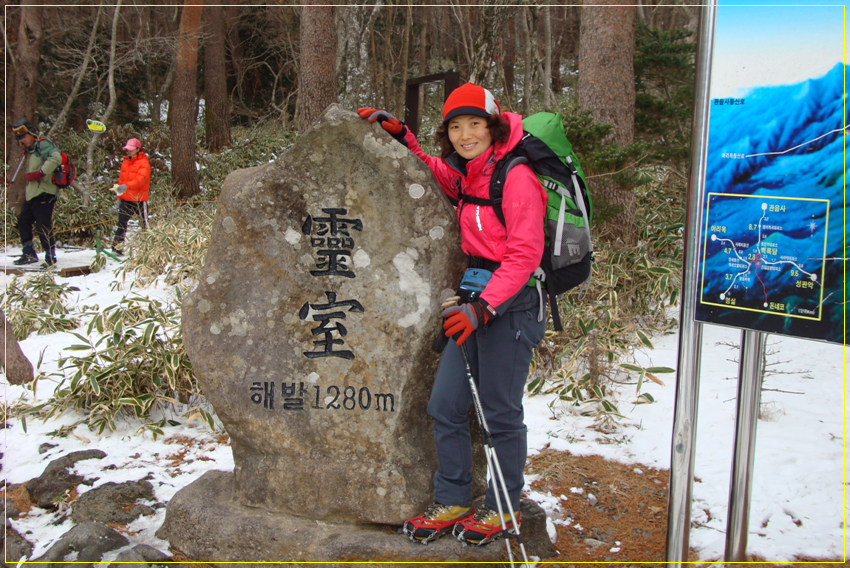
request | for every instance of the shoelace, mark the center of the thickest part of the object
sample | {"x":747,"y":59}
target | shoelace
{"x":434,"y":509}
{"x":483,"y":513}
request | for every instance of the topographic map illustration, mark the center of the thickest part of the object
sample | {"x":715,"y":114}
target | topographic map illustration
{"x":772,"y":250}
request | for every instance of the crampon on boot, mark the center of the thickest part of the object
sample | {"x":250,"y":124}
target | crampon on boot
{"x":484,"y":527}
{"x":436,"y":521}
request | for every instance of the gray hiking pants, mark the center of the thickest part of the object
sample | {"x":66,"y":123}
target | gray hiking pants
{"x":499,"y":356}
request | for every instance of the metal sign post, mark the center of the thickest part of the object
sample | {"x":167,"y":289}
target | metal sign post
{"x":750,"y":375}
{"x":690,"y":331}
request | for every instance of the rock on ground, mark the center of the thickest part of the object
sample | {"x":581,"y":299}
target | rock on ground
{"x":15,"y":546}
{"x":206,"y":525}
{"x":16,"y":366}
{"x":85,"y":544}
{"x":114,"y":503}
{"x":48,"y":488}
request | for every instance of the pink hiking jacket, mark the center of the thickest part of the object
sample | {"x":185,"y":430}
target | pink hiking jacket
{"x":518,"y":245}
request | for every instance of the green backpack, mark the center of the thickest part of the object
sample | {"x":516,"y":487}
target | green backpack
{"x":544,"y":147}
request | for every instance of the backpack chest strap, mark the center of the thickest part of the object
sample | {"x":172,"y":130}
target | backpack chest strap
{"x":480,"y":200}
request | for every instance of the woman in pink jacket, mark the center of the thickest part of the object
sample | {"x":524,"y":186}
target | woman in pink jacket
{"x":500,"y":324}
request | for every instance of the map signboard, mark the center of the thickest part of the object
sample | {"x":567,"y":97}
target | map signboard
{"x":772,"y":246}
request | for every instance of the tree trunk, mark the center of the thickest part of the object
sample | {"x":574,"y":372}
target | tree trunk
{"x":9,"y":87}
{"x":30,"y":38}
{"x":641,"y":12}
{"x":17,"y":367}
{"x":385,"y":70}
{"x":349,"y":30}
{"x":353,"y":54}
{"x":405,"y":59}
{"x":318,"y":57}
{"x":528,"y":60}
{"x":571,"y":35}
{"x":184,"y":97}
{"x":607,"y":88}
{"x":423,"y":54}
{"x":217,"y":109}
{"x":235,"y":45}
{"x":509,"y":59}
{"x":547,"y":61}
{"x":479,"y":43}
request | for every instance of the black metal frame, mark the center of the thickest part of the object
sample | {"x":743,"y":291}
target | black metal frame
{"x":412,"y":114}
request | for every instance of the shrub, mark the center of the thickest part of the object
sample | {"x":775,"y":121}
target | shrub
{"x":134,"y":365}
{"x":36,"y":304}
{"x":174,"y":248}
{"x":251,"y":147}
{"x":629,"y":298}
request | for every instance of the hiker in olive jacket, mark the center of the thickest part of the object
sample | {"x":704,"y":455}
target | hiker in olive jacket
{"x":41,"y":193}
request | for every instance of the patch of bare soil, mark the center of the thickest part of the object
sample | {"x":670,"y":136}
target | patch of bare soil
{"x":19,"y":496}
{"x":614,"y":513}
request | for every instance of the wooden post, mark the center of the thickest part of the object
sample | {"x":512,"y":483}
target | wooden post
{"x":412,"y":115}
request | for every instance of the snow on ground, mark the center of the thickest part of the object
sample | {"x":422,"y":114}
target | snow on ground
{"x":798,"y":505}
{"x":797,"y":509}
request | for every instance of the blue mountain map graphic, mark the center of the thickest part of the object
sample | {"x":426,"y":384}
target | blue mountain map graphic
{"x":772,"y":247}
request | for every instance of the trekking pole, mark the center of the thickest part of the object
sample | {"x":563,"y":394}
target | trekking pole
{"x":493,"y":466}
{"x":20,"y":163}
{"x":100,"y":249}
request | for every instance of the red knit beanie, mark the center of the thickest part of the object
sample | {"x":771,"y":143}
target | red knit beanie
{"x":470,"y":99}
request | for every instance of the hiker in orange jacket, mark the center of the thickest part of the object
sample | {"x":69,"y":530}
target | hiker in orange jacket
{"x":134,"y":182}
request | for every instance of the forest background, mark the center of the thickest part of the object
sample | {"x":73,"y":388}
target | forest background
{"x":209,"y":89}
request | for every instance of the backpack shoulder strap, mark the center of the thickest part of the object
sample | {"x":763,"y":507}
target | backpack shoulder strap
{"x":500,"y":174}
{"x":38,"y":146}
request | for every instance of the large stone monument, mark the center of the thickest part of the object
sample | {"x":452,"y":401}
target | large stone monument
{"x":310,"y":332}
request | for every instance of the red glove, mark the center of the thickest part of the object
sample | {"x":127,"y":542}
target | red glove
{"x":37,"y":175}
{"x":466,"y":318}
{"x":387,"y":121}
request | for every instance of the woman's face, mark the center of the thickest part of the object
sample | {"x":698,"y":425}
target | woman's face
{"x":469,"y":135}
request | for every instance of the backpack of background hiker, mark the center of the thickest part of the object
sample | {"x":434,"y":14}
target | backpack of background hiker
{"x":544,"y":147}
{"x":65,"y":172}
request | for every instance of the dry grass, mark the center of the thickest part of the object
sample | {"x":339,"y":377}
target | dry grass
{"x":18,"y":495}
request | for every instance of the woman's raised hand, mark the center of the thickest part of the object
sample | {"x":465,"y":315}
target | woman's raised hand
{"x":387,"y":121}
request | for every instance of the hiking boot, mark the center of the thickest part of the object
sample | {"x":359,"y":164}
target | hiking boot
{"x":117,"y":251}
{"x":484,"y":526}
{"x":49,"y":262}
{"x":26,"y":259}
{"x":436,"y":521}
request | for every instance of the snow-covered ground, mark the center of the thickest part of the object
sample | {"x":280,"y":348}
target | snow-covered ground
{"x":798,"y":495}
{"x":798,"y":506}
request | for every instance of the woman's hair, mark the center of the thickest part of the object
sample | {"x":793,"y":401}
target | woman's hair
{"x":498,"y":126}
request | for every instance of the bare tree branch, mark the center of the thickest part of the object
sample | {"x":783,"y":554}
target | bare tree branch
{"x":81,"y":72}
{"x":86,"y":191}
